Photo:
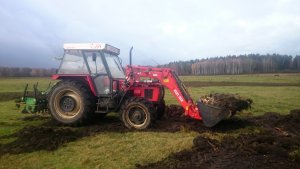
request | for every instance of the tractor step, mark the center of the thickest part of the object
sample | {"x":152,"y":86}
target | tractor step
{"x":100,"y":112}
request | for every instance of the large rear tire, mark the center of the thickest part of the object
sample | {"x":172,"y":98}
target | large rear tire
{"x":137,"y":113}
{"x":70,"y":102}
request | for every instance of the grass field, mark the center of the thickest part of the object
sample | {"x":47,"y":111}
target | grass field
{"x":260,"y":78}
{"x":124,"y":149}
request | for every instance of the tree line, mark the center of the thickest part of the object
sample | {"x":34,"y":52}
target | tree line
{"x":26,"y":72}
{"x":240,"y":64}
{"x":232,"y":64}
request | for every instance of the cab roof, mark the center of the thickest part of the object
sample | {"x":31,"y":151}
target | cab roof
{"x":92,"y":46}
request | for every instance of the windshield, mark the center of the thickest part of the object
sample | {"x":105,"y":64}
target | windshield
{"x":114,"y":66}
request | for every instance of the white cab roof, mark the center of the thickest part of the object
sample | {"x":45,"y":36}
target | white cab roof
{"x":92,"y":46}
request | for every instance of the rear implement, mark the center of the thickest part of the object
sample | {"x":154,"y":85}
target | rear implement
{"x":33,"y":101}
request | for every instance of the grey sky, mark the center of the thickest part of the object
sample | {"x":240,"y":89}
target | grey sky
{"x":32,"y":32}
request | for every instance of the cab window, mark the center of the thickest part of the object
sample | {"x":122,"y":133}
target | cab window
{"x":73,"y":63}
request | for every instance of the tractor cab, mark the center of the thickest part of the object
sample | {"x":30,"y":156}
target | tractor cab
{"x":99,"y":61}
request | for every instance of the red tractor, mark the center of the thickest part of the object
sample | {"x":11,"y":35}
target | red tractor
{"x":92,"y":81}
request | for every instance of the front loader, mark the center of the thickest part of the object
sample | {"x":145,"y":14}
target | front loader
{"x":92,"y":82}
{"x":210,"y":115}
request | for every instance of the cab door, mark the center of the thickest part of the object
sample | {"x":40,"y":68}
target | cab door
{"x":98,"y":72}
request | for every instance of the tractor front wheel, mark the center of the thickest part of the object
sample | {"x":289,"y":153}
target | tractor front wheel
{"x":70,"y":102}
{"x":137,"y":113}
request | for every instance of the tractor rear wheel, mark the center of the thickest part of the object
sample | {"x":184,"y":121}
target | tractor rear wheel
{"x":137,"y":113}
{"x":70,"y":102}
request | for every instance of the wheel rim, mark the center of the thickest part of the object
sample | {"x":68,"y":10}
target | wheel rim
{"x":67,"y":103}
{"x":136,"y":116}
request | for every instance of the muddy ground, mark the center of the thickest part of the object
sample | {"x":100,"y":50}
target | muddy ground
{"x":268,"y":141}
{"x":271,"y":141}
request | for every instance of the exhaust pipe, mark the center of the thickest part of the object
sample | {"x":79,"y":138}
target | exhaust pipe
{"x":211,"y":115}
{"x":130,"y":56}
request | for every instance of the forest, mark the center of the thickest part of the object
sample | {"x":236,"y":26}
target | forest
{"x":241,"y":64}
{"x":25,"y":72}
{"x":232,"y":64}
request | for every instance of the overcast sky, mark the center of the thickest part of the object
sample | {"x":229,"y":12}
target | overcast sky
{"x":32,"y":32}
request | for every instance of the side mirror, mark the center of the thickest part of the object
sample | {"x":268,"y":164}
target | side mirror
{"x":94,"y":56}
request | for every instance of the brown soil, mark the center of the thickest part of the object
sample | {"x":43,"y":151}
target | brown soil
{"x":34,"y":138}
{"x":273,"y":147}
{"x":51,"y":135}
{"x":264,"y":150}
{"x":231,"y":103}
{"x":36,"y":117}
{"x":6,"y":96}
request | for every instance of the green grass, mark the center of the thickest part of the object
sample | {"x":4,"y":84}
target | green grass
{"x":112,"y":149}
{"x":11,"y":88}
{"x":18,"y":84}
{"x":259,"y":78}
{"x":265,"y":99}
{"x":9,"y":118}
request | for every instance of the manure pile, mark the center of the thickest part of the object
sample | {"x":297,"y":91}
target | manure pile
{"x":232,"y":103}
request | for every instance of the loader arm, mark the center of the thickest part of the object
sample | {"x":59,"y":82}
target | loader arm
{"x":168,"y":78}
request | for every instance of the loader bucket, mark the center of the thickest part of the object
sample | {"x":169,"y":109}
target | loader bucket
{"x":211,"y":115}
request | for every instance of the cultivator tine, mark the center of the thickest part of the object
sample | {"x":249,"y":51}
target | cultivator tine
{"x":211,"y":115}
{"x":25,"y":92}
{"x":35,"y":89}
{"x":49,"y":85}
{"x":21,"y":101}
